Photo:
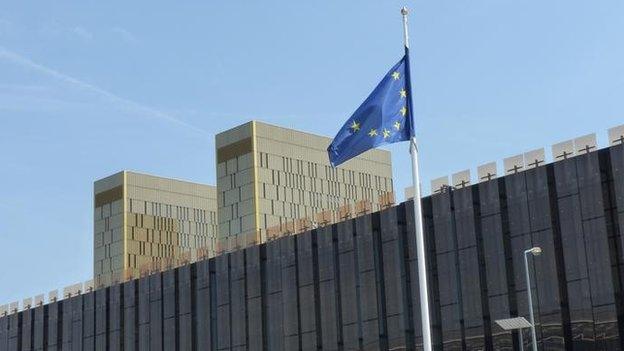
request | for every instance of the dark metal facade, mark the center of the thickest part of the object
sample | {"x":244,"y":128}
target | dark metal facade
{"x":353,"y":285}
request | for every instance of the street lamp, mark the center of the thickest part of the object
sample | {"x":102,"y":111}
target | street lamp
{"x":511,"y":324}
{"x":535,"y":251}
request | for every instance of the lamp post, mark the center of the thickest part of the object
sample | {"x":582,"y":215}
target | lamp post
{"x":535,"y":251}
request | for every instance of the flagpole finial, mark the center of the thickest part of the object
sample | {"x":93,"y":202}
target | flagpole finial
{"x":405,"y":36}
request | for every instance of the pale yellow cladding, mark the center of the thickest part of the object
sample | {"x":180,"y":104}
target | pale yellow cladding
{"x":269,"y":175}
{"x":140,"y":219}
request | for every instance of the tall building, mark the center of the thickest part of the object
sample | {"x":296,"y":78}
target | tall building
{"x":268,"y":176}
{"x":141,"y":219}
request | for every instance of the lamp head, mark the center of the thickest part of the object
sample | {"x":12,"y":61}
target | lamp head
{"x":535,"y":251}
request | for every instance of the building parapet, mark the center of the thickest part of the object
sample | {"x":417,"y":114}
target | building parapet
{"x":525,"y":161}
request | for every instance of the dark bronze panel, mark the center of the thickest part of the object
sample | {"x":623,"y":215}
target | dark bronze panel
{"x":108,"y":196}
{"x":233,"y":150}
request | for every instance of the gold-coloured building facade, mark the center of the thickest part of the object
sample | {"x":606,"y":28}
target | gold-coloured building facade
{"x":141,"y":219}
{"x":272,"y":179}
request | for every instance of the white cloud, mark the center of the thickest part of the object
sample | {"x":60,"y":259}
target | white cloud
{"x":22,"y":88}
{"x":82,"y":33}
{"x":120,"y":102}
{"x":35,"y":102}
{"x":125,"y":35}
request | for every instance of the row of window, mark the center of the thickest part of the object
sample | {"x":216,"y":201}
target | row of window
{"x":155,"y":249}
{"x":290,"y":165}
{"x":290,"y":180}
{"x":195,"y":241}
{"x":134,"y":263}
{"x":108,"y":251}
{"x":172,"y":211}
{"x":232,"y":180}
{"x":152,"y":235}
{"x":320,"y":199}
{"x":310,"y":169}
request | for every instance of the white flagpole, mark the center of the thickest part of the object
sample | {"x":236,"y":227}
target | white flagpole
{"x":418,"y":225}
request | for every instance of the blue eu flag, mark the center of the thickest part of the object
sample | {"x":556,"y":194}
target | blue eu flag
{"x":385,"y":117}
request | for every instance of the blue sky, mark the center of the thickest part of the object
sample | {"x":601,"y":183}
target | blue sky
{"x":90,"y":88}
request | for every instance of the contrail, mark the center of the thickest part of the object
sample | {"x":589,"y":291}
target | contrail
{"x":121,"y":102}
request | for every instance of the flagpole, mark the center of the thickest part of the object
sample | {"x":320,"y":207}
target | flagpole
{"x":418,"y":225}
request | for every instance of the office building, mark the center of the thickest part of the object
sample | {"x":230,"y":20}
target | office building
{"x":142,"y":219}
{"x":269,"y":176}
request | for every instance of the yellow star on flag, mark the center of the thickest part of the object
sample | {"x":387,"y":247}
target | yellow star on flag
{"x":396,"y":75}
{"x":397,"y":125}
{"x":355,"y":126}
{"x":403,"y":111}
{"x":403,"y":93}
{"x":372,"y":132}
{"x":386,"y":133}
